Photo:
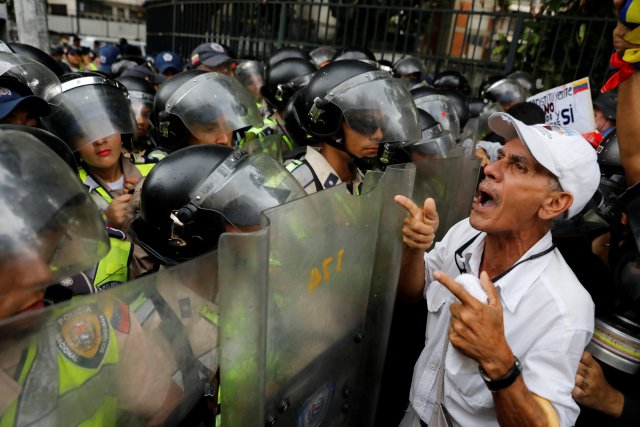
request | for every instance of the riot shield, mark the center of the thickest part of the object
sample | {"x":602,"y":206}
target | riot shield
{"x":139,"y":354}
{"x":333,"y":269}
{"x":451,"y":182}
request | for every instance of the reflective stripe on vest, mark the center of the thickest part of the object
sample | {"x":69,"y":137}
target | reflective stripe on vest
{"x":113,"y":269}
{"x":144,"y":170}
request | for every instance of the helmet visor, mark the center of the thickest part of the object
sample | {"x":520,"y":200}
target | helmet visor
{"x":40,"y":80}
{"x":48,"y":216}
{"x":434,"y":143}
{"x":141,"y":104}
{"x":506,"y":91}
{"x":373,"y":102}
{"x":242,"y":187}
{"x":213,"y":104}
{"x":442,"y":109}
{"x":91,"y":108}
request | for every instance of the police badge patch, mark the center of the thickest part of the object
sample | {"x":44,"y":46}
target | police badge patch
{"x":83,"y":336}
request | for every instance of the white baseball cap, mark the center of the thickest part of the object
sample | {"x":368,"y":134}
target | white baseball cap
{"x":561,"y":150}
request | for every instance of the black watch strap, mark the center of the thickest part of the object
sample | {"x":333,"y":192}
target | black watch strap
{"x":506,"y":380}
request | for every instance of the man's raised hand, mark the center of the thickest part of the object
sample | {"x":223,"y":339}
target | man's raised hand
{"x":418,"y":231}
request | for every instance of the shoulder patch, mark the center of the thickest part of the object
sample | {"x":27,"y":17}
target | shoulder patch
{"x":83,"y":336}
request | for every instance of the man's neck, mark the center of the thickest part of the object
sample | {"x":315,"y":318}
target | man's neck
{"x":339,"y":161}
{"x":501,"y":251}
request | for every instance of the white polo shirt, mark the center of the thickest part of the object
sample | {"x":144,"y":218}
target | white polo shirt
{"x":548,"y":321}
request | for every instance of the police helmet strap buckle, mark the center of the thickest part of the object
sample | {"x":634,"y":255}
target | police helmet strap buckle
{"x":279,"y":93}
{"x":177,"y":229}
{"x":316,"y":109}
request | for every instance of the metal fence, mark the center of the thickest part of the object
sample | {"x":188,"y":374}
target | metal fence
{"x":476,"y":38}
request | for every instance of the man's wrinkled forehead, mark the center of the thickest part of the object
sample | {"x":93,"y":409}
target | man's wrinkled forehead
{"x":515,"y":149}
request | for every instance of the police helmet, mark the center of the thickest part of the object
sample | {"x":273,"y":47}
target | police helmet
{"x":506,"y":92}
{"x":486,"y":83}
{"x":607,"y":103}
{"x":435,"y":140}
{"x":287,"y":52}
{"x":284,"y":79}
{"x":251,"y":75}
{"x":526,"y":80}
{"x":50,"y":140}
{"x":37,"y":55}
{"x":459,"y":102}
{"x":358,"y":53}
{"x":206,"y":106}
{"x":322,"y":55}
{"x":409,"y":65}
{"x":476,"y":105}
{"x":188,"y":200}
{"x":451,"y":79}
{"x":439,"y":107}
{"x":92,"y":107}
{"x":46,"y":210}
{"x":292,"y":123}
{"x":175,"y":130}
{"x":609,"y":155}
{"x":366,"y":98}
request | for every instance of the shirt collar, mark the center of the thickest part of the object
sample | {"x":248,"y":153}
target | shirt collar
{"x":516,"y":282}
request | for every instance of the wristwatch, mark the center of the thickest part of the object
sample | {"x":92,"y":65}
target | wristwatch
{"x":504,"y":381}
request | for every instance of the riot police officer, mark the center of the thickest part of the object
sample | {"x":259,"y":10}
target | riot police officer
{"x":350,"y":108}
{"x":195,"y":107}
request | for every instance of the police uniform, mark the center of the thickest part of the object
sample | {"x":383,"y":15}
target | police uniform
{"x":314,"y":173}
{"x":269,"y":126}
{"x":124,"y":259}
{"x":86,"y":364}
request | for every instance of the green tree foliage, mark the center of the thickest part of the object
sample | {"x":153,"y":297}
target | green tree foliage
{"x":564,"y":35}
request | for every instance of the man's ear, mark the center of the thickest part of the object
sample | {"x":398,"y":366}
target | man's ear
{"x":553,"y":206}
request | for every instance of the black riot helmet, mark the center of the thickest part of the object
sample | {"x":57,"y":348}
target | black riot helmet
{"x":460,"y":103}
{"x":205,"y":107}
{"x":141,"y":94}
{"x":435,"y":142}
{"x":526,"y":80}
{"x":167,"y":88}
{"x":190,"y":198}
{"x":607,"y":103}
{"x":287,"y":52}
{"x":609,"y":155}
{"x":506,"y":92}
{"x":292,"y":123}
{"x":358,"y":53}
{"x":92,"y":107}
{"x":37,"y":55}
{"x":284,"y":79}
{"x":451,"y":79}
{"x":50,"y":140}
{"x":367,"y":99}
{"x":322,"y":55}
{"x":439,"y":106}
{"x":409,"y":67}
{"x":486,"y":83}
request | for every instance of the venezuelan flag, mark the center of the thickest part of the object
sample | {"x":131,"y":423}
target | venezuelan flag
{"x":581,"y":85}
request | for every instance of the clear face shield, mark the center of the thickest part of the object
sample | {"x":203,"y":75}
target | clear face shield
{"x":40,"y":80}
{"x":436,"y":143}
{"x":442,"y":109}
{"x":213,"y":104}
{"x":142,"y":106}
{"x":375,"y":104}
{"x":242,"y":187}
{"x":91,"y":108}
{"x":50,"y":227}
{"x":250,"y":74}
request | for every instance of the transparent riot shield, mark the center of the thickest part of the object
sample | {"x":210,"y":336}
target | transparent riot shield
{"x":333,"y":269}
{"x":451,"y":182}
{"x":140,"y":354}
{"x":268,"y":144}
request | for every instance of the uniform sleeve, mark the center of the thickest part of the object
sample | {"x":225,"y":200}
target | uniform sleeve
{"x":145,"y":369}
